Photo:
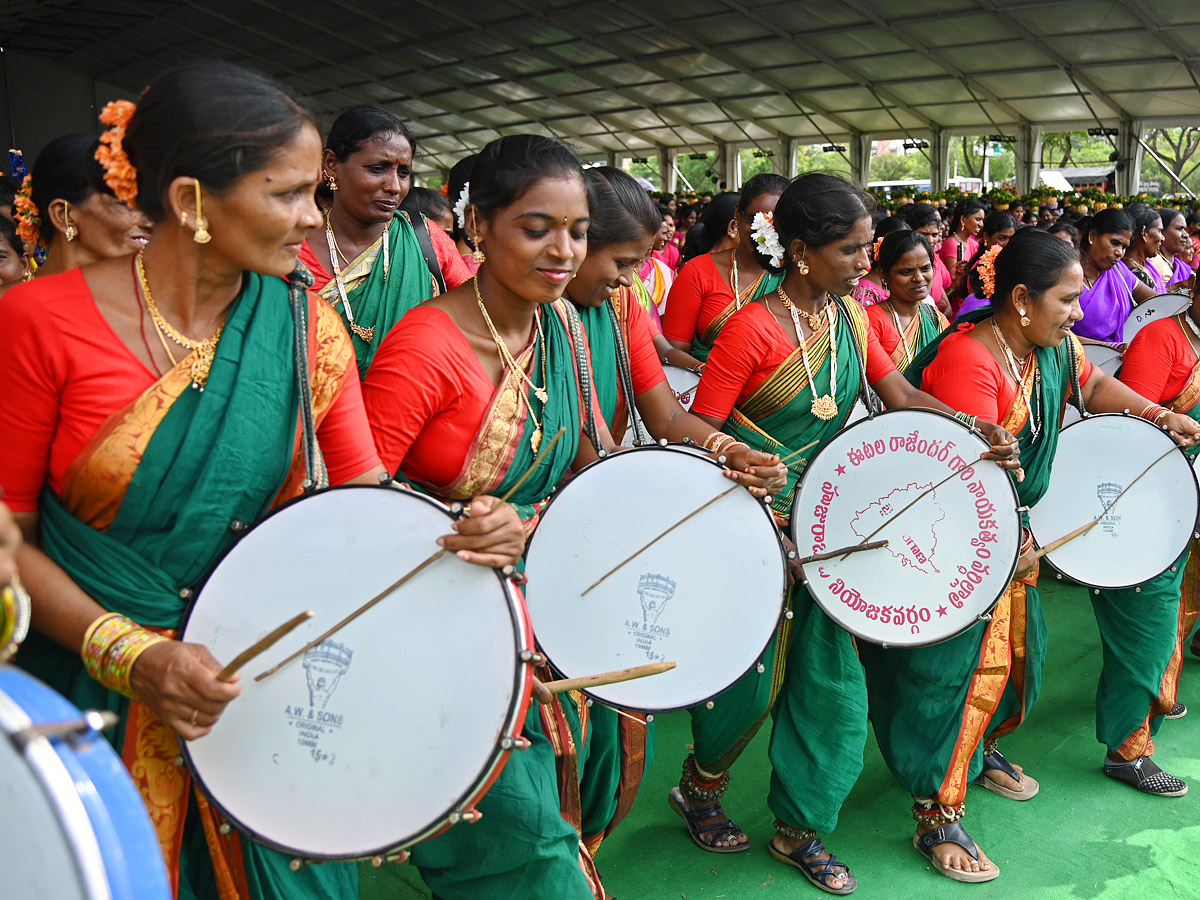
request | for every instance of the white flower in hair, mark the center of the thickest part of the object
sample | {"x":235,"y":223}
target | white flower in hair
{"x":762,"y":231}
{"x":460,"y":206}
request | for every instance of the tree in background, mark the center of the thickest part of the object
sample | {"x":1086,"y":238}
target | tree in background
{"x":1177,"y":147}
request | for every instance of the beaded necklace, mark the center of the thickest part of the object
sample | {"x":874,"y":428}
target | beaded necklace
{"x":367,"y":334}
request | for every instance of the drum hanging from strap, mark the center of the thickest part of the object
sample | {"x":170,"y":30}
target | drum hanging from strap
{"x":74,"y":826}
{"x":392,"y":728}
{"x":682,"y":382}
{"x":1160,"y":306}
{"x":707,"y":595}
{"x":912,"y":477}
{"x":1097,"y":459}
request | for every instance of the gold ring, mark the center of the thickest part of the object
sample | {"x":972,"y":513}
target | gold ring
{"x":195,"y":713}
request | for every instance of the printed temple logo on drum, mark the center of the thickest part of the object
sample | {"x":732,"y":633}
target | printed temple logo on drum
{"x":1107,"y":493}
{"x":655,"y":592}
{"x":325,"y":664}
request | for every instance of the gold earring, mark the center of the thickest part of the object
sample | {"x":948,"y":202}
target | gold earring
{"x":70,"y":232}
{"x":1024,"y":319}
{"x":802,"y":266}
{"x":183,"y":219}
{"x":332,"y":182}
{"x":478,"y":255}
{"x":201,"y":236}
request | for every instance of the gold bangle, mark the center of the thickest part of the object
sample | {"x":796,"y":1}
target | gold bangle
{"x":91,"y":629}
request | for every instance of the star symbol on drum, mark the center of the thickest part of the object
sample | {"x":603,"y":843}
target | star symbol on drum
{"x":941,"y":610}
{"x":841,"y":470}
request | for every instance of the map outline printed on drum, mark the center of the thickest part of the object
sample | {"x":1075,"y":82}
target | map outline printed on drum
{"x":654,"y":593}
{"x":915,"y":556}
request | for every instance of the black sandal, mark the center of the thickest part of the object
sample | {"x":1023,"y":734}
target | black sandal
{"x":817,"y":870}
{"x":707,"y":836}
{"x":994,"y":760}
{"x":953,"y":833}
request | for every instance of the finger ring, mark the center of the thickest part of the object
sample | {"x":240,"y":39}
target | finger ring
{"x":195,"y":713}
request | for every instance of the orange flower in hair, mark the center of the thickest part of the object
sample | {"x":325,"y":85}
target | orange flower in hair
{"x":29,"y":223}
{"x":987,"y":271}
{"x":875,"y":250}
{"x":119,"y":173}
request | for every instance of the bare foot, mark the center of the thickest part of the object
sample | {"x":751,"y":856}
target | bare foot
{"x":787,"y":845}
{"x":949,"y":855}
{"x":727,"y":839}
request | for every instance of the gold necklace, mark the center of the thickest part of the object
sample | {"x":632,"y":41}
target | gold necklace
{"x":1017,"y":370}
{"x":891,"y":307}
{"x":733,"y":278}
{"x":824,"y":408}
{"x":366,"y":334}
{"x":205,"y":350}
{"x":506,"y":357}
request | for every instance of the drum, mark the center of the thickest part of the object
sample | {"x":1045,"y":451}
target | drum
{"x":950,"y":556}
{"x":389,"y":730}
{"x":708,"y":595}
{"x":1106,"y":359}
{"x":1160,"y":306}
{"x":683,"y":383}
{"x":1097,"y":458}
{"x":74,"y":825}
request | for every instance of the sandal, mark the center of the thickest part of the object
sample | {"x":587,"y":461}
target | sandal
{"x":1145,"y":775}
{"x":817,"y":870}
{"x":953,"y":833}
{"x":707,"y":836}
{"x":995,"y":760}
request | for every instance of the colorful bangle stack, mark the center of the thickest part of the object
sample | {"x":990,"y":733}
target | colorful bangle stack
{"x":969,"y":421}
{"x":111,"y":645}
{"x":718,"y":441}
{"x":1153,"y":412}
{"x":1026,"y":541}
{"x":14,"y":618}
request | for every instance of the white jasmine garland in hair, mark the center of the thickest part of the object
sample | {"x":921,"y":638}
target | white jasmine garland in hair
{"x":762,"y":230}
{"x":460,"y":206}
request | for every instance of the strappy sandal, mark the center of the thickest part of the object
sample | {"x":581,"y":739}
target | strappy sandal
{"x":819,"y":869}
{"x":996,"y":760}
{"x":953,"y":833}
{"x":707,"y":836}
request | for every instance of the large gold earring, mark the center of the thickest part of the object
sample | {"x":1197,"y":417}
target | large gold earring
{"x":1024,"y":319}
{"x":70,"y":232}
{"x":201,"y":236}
{"x":477,"y":254}
{"x":802,"y":266}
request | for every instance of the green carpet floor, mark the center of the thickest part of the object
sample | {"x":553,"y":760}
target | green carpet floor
{"x":1084,"y":836}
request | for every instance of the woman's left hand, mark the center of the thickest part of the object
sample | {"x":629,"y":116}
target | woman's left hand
{"x":1184,"y":429}
{"x":491,"y":534}
{"x":1005,"y":450}
{"x":762,"y":473}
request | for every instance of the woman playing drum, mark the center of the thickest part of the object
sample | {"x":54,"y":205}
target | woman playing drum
{"x":785,"y":373}
{"x":905,"y":322}
{"x":713,"y":286}
{"x":151,"y":408}
{"x":1015,"y":360}
{"x":1143,"y":630}
{"x":463,"y":394}
{"x":372,"y":263}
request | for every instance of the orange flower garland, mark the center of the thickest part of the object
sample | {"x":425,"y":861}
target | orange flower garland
{"x":987,"y":271}
{"x":29,"y":223}
{"x":875,"y":250}
{"x":119,"y":173}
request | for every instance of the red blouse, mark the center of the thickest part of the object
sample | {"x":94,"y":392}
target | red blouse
{"x":644,"y":363}
{"x":64,"y":371}
{"x":698,"y":295}
{"x":453,"y":266}
{"x":966,"y":376}
{"x":1159,"y":361}
{"x":751,"y":346}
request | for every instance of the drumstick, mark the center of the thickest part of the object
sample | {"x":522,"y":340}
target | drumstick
{"x":401,"y":581}
{"x":1084,"y":529}
{"x":264,"y":644}
{"x":830,"y":554}
{"x":589,"y":681}
{"x":920,"y":497}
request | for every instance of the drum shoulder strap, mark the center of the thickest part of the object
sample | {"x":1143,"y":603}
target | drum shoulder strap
{"x":625,"y":373}
{"x":1074,"y":387}
{"x":583,"y":367}
{"x":857,"y":322}
{"x":317,"y":475}
{"x":421,"y":227}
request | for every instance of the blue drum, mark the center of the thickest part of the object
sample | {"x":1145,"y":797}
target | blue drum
{"x":73,"y":824}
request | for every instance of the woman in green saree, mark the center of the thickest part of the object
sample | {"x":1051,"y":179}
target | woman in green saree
{"x":375,"y":262}
{"x":784,"y":375}
{"x":939,"y":710}
{"x":132,"y":462}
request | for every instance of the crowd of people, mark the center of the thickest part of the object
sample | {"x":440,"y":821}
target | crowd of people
{"x":151,"y":396}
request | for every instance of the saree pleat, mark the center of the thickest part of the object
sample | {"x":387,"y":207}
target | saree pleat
{"x":146,"y":511}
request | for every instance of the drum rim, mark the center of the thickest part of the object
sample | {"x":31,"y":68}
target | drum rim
{"x":1195,"y":521}
{"x":690,"y":452}
{"x":1173,"y":295}
{"x":496,"y":759}
{"x":1012,"y":572}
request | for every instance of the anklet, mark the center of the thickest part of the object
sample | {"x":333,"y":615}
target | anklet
{"x":927,"y":811}
{"x":796,"y":834}
{"x":695,"y":786}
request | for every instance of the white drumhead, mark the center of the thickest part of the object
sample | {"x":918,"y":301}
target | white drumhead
{"x":1096,"y":459}
{"x":707,"y":596}
{"x":1160,"y":306}
{"x":37,"y":800}
{"x":949,"y":557}
{"x":380,"y":731}
{"x":1106,"y":359}
{"x":683,"y":383}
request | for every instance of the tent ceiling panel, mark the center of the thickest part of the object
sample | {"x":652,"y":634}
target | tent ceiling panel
{"x":627,"y":74}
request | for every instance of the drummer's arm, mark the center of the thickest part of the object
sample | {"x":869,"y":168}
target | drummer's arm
{"x":176,"y":680}
{"x":670,"y":352}
{"x":1142,"y":291}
